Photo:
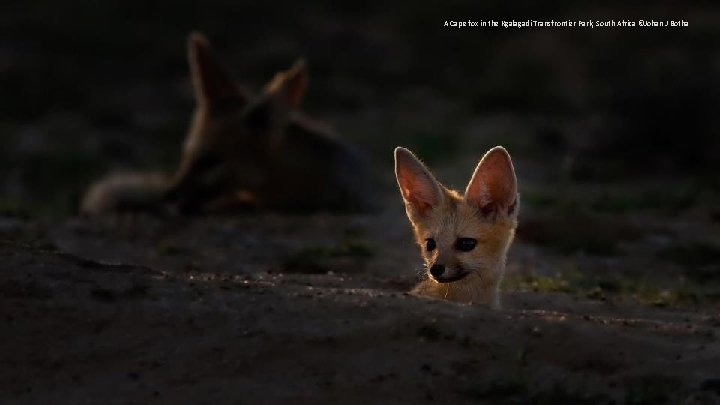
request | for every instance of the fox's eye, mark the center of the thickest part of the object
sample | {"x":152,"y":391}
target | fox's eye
{"x":430,"y":244}
{"x":465,"y":244}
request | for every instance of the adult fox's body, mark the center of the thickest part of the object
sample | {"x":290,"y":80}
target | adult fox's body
{"x":245,"y":152}
{"x":464,"y":239}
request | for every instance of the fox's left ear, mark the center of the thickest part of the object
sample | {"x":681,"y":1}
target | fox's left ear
{"x":419,"y":189}
{"x":493,"y":186}
{"x":210,"y":79}
{"x":291,"y":84}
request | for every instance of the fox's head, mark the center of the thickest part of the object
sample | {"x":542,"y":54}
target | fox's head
{"x":463,"y":238}
{"x":233,"y":136}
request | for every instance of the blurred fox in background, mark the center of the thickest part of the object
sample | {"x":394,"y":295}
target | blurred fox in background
{"x":245,"y":152}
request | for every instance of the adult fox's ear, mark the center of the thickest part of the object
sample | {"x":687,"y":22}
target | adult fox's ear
{"x":210,"y":80}
{"x":419,"y":189}
{"x":271,"y":114}
{"x":291,"y":84}
{"x":493,"y":186}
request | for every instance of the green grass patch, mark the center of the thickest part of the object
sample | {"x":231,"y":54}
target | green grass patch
{"x":577,"y":283}
{"x":540,"y":284}
{"x":316,"y":259}
{"x":169,"y":248}
{"x":13,"y":208}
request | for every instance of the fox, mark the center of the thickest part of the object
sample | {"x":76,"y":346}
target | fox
{"x":246,"y":152}
{"x":463,"y":238}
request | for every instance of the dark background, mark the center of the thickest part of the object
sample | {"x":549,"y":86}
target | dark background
{"x":90,"y":87}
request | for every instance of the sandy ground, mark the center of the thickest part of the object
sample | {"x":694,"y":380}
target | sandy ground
{"x":235,"y":310}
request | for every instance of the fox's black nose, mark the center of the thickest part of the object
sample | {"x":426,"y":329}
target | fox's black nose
{"x":437,"y":270}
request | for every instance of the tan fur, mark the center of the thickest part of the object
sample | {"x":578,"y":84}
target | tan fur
{"x":487,"y":213}
{"x":250,"y":152}
{"x":125,"y":192}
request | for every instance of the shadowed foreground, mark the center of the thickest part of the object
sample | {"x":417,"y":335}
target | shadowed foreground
{"x":83,"y":331}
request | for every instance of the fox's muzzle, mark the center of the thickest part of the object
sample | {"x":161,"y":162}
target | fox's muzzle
{"x":441,"y":274}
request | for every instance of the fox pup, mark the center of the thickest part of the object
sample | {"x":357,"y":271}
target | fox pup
{"x":464,"y":239}
{"x":246,"y":152}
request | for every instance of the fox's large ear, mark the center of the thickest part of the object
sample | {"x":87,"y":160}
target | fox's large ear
{"x":290,"y":84}
{"x":493,"y":187}
{"x":210,"y":79}
{"x":271,"y":114}
{"x":419,"y":189}
{"x":268,"y":118}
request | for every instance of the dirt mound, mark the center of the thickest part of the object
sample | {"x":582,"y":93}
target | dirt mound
{"x":79,"y":330}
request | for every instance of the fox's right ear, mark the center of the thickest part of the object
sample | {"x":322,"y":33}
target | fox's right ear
{"x":493,"y":186}
{"x":419,"y":189}
{"x":290,"y":84}
{"x":210,"y":79}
